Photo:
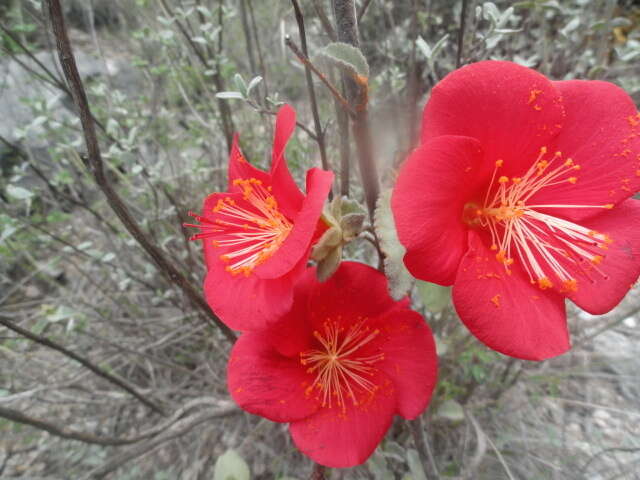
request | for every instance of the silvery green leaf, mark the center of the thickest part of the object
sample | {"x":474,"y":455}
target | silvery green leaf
{"x":204,"y":11}
{"x":400,"y":280}
{"x":434,"y":297}
{"x":347,"y":56}
{"x":231,"y":466}
{"x":424,"y":47}
{"x":377,"y":465}
{"x":571,"y":26}
{"x":254,"y":81}
{"x":19,"y":193}
{"x":236,"y":95}
{"x":241,"y":85}
{"x":415,"y":465}
{"x":437,"y":47}
{"x":450,"y":410}
{"x":200,"y":40}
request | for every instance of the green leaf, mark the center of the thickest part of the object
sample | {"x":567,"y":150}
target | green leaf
{"x":450,"y":410}
{"x":19,"y":193}
{"x":415,"y":465}
{"x":237,"y":95}
{"x":400,"y":280}
{"x":348,"y":57}
{"x":434,"y":297}
{"x":231,"y":466}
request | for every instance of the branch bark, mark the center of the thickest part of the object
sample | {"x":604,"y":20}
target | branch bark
{"x":310,"y":88}
{"x":94,"y":163}
{"x":347,"y":30}
{"x":82,"y":361}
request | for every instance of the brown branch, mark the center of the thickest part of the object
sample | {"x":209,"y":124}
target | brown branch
{"x":305,"y":61}
{"x":94,"y":163}
{"x":363,"y":9}
{"x":463,"y":23}
{"x":67,"y":433}
{"x":318,"y":472}
{"x":82,"y":361}
{"x":422,"y":447}
{"x":310,"y":88}
{"x":324,"y":20}
{"x":347,"y":28}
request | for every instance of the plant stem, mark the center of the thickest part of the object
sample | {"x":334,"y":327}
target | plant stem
{"x":310,"y":88}
{"x":347,"y":30}
{"x":95,"y":165}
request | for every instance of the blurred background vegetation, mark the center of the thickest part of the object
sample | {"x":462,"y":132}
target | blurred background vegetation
{"x":169,"y":81}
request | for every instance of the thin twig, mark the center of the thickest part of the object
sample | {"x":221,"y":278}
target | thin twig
{"x":94,"y":163}
{"x":310,"y":88}
{"x":83,"y":361}
{"x":422,"y":447}
{"x":363,"y":9}
{"x":305,"y":61}
{"x":463,"y":23}
{"x":324,"y":20}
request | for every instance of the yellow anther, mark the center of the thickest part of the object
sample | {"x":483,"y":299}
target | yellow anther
{"x":516,"y":180}
{"x":568,"y":162}
{"x":544,"y":283}
{"x":572,"y":180}
{"x":543,"y":150}
{"x":570,"y":285}
{"x":503,"y":179}
{"x":608,"y":206}
{"x":499,"y":163}
{"x":597,"y":259}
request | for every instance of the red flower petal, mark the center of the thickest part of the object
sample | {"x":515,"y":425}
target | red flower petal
{"x":339,"y":440}
{"x":355,"y":290}
{"x":240,"y":168}
{"x":305,"y":222}
{"x":506,"y":312}
{"x":410,"y":359}
{"x":434,"y":183}
{"x":602,"y":135}
{"x":247,"y":302}
{"x":289,"y":195}
{"x":621,"y":262}
{"x":266,"y":383}
{"x":511,"y":110}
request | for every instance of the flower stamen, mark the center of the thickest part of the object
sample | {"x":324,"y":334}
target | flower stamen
{"x":546,"y":246}
{"x":340,"y":372}
{"x":250,"y":234}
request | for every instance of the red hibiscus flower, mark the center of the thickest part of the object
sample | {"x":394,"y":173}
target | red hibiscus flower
{"x":257,"y":236}
{"x":339,"y":365}
{"x":519,"y":196}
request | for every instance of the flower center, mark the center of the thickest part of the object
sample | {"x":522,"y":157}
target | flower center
{"x":251,"y":233}
{"x":548,"y":248}
{"x":340,"y":366}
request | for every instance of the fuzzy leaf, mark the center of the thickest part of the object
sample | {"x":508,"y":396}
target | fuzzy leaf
{"x":450,"y":410}
{"x":329,"y":240}
{"x":351,"y":225}
{"x":237,"y":95}
{"x":231,"y":466}
{"x":400,"y":280}
{"x":348,"y":57}
{"x":19,"y":193}
{"x":329,"y":264}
